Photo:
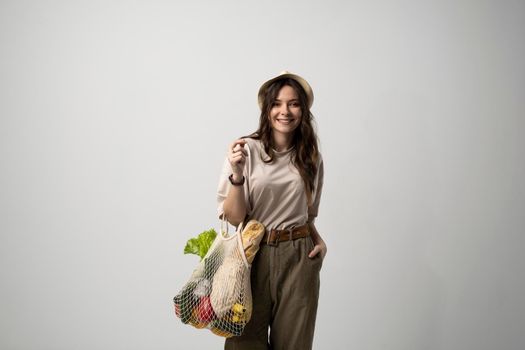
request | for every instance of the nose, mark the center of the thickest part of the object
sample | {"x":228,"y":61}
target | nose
{"x":284,"y":109}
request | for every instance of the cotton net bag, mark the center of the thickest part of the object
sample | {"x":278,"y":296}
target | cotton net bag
{"x":218,"y":295}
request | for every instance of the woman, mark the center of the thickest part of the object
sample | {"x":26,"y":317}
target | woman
{"x":275,"y":176}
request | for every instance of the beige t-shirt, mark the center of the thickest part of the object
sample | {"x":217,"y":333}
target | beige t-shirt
{"x":274,"y":193}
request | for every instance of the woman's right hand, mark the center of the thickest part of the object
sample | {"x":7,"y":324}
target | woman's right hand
{"x":237,"y":158}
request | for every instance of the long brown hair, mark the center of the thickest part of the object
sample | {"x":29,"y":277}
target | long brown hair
{"x":305,"y":152}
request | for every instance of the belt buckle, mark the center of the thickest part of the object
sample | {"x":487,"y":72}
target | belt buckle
{"x":273,"y":243}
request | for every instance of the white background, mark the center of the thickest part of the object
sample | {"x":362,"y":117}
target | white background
{"x":116,"y":115}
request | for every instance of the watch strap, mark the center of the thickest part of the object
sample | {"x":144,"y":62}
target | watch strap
{"x":236,"y":183}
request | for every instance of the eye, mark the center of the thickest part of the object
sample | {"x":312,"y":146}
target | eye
{"x":294,"y":104}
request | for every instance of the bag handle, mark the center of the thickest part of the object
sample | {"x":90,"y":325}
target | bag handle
{"x":224,"y":234}
{"x":237,"y":235}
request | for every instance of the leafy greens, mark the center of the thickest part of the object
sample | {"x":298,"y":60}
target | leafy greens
{"x":200,"y":244}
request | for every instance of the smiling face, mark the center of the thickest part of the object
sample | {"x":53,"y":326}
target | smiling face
{"x":285,"y":113}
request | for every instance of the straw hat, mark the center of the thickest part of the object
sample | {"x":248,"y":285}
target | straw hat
{"x":285,"y":74}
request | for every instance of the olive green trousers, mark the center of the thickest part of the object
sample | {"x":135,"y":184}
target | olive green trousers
{"x":285,"y":288}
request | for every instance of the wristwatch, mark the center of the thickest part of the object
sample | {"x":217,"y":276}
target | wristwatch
{"x":236,"y":183}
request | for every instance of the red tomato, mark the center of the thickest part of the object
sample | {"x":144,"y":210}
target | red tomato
{"x":206,"y":313}
{"x":177,"y":310}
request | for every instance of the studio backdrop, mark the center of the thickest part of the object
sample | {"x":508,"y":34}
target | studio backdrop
{"x":115,"y":117}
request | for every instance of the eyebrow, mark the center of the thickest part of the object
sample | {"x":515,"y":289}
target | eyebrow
{"x":292,"y":100}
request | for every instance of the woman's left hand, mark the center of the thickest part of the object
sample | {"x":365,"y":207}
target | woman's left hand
{"x":319,"y":248}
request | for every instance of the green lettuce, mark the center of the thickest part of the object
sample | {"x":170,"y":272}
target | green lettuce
{"x":200,"y":244}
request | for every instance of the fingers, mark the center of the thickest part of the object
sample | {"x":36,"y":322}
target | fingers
{"x":237,"y":158}
{"x":236,"y":149}
{"x":239,"y":149}
{"x":317,"y":251}
{"x":240,"y":142}
{"x":237,"y":154}
{"x":238,"y":146}
{"x":314,"y":252}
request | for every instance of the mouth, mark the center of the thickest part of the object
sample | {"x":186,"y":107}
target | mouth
{"x":285,"y":121}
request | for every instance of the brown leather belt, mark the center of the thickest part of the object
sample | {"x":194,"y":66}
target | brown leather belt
{"x":273,"y":237}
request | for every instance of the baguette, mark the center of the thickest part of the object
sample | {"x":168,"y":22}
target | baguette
{"x":252,"y":235}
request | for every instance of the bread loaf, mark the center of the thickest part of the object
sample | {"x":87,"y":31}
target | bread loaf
{"x":252,"y":234}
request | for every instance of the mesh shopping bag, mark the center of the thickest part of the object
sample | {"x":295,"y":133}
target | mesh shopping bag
{"x":218,"y":294}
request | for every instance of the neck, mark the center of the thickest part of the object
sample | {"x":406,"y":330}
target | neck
{"x":282,"y":142}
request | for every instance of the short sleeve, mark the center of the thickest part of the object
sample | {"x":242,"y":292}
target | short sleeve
{"x":314,"y":208}
{"x":224,"y":187}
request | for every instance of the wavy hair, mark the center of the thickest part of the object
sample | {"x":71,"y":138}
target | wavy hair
{"x":305,"y":152}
